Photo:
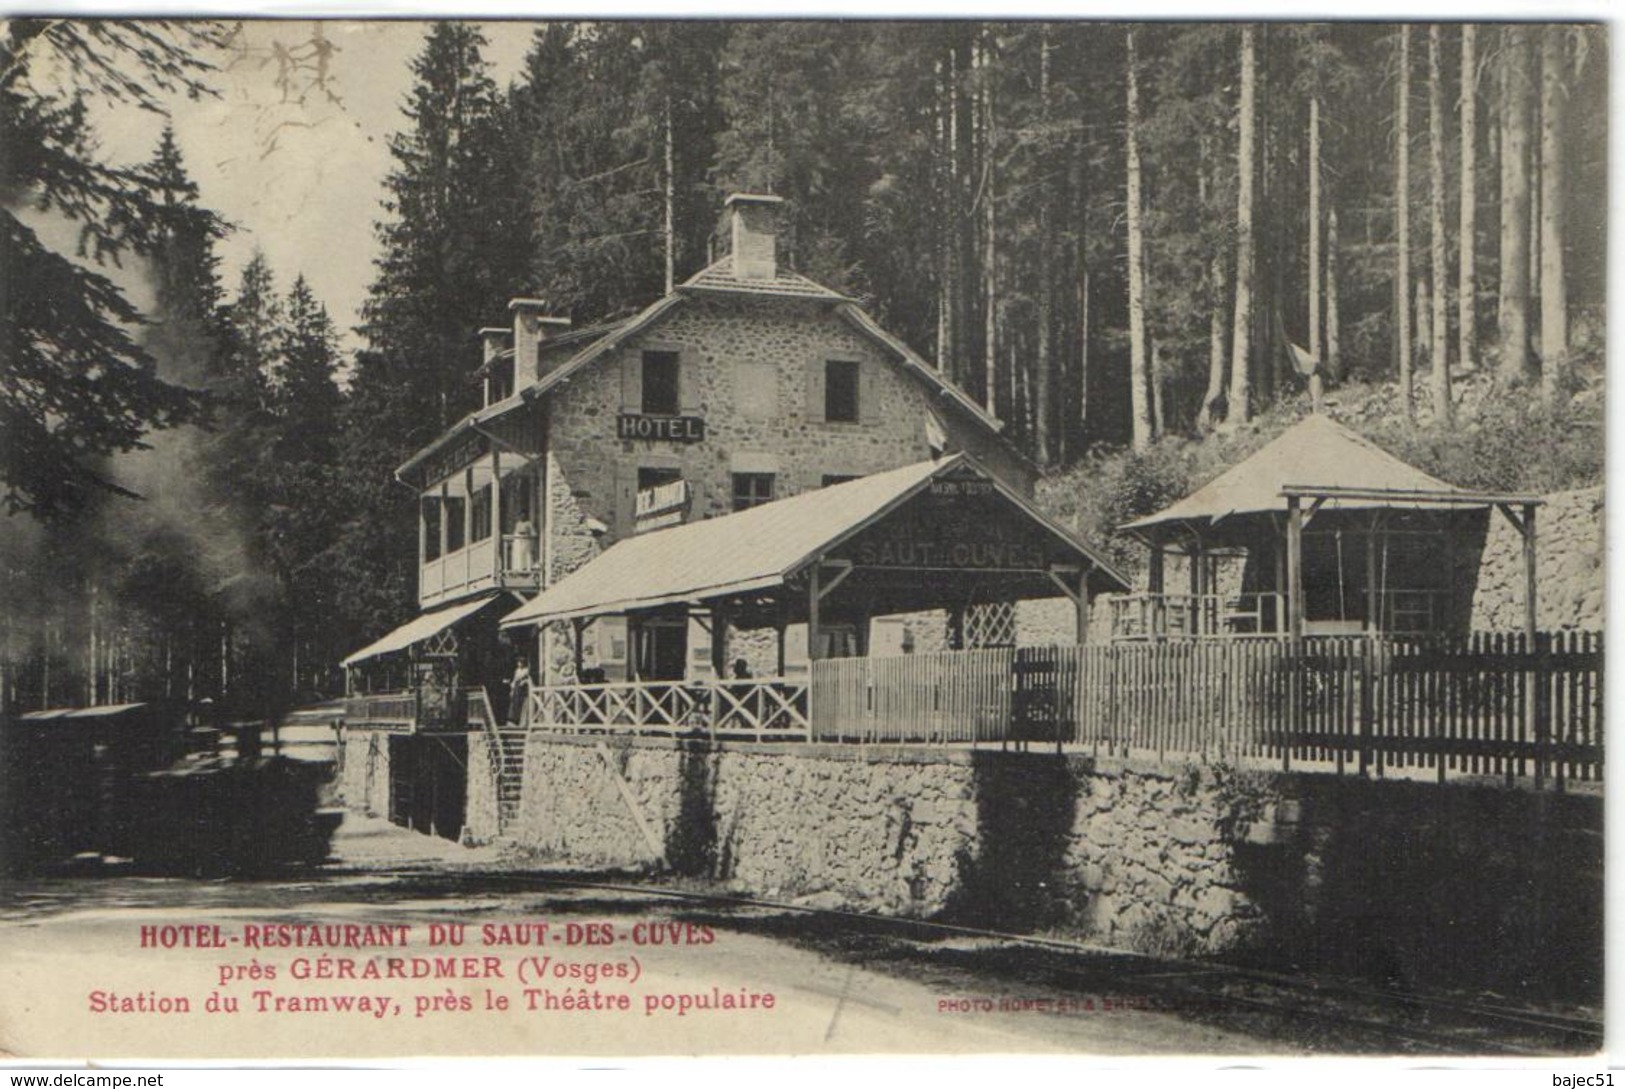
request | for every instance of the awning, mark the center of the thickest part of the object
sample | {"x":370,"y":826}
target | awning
{"x":757,"y":551}
{"x":420,"y":628}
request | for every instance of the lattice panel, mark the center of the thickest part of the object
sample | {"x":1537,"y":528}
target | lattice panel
{"x":442,"y":644}
{"x":990,"y":624}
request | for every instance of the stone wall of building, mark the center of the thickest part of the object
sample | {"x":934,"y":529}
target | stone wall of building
{"x":480,"y":819}
{"x":1358,"y":876}
{"x":1570,"y":567}
{"x":729,"y":350}
{"x":363,"y":772}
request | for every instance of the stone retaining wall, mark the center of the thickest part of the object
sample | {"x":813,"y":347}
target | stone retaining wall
{"x":363,"y":772}
{"x":1569,"y":561}
{"x":1294,"y":870}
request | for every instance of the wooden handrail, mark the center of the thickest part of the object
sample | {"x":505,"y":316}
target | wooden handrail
{"x":758,"y":707}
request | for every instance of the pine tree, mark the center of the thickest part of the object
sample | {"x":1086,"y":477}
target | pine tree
{"x":75,"y":386}
{"x":455,"y":245}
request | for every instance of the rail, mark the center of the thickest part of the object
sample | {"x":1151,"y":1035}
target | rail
{"x":401,"y":712}
{"x":1486,"y":705}
{"x":1143,"y":616}
{"x":771,"y":708}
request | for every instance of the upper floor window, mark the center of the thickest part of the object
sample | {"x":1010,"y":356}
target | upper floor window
{"x":479,"y":515}
{"x":661,"y":394}
{"x":752,"y":490}
{"x":841,"y":391}
{"x":431,"y":528}
{"x":454,"y":522}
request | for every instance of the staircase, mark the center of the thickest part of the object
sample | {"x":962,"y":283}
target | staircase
{"x":510,"y":775}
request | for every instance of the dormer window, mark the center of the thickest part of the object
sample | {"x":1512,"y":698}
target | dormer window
{"x":661,"y":390}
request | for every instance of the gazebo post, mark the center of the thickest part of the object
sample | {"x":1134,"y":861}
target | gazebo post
{"x":1529,"y":572}
{"x":1082,"y":605}
{"x":779,"y":627}
{"x":813,"y":597}
{"x":1373,"y":600}
{"x":1294,"y":568}
{"x":576,"y":628}
{"x":1158,"y":624}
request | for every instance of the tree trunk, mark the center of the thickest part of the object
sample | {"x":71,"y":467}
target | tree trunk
{"x":1217,"y":326}
{"x":1046,"y":273}
{"x":1239,"y":407}
{"x":1144,"y":428}
{"x":1437,"y":261}
{"x":1513,"y":316}
{"x":670,"y":226}
{"x":1314,"y":227}
{"x":1334,"y":362}
{"x":1554,"y":318}
{"x":1424,"y":321}
{"x":990,"y":281}
{"x":1467,"y":289}
{"x":1402,"y":213}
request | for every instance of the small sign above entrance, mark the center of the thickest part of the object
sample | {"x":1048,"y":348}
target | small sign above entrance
{"x":957,"y":488}
{"x":632,"y":425}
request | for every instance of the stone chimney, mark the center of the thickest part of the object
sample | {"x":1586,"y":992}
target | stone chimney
{"x":753,"y":221}
{"x":530,"y":327}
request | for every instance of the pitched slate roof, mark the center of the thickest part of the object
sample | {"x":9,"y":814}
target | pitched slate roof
{"x":720,"y":277}
{"x":1315,"y":452}
{"x":751,"y":550}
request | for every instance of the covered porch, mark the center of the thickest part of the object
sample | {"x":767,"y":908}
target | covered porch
{"x":943,"y":536}
{"x":1320,"y":533}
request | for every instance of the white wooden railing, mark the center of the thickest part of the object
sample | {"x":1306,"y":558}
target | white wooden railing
{"x":765,"y":709}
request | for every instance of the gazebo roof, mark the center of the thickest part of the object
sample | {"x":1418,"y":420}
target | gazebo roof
{"x":1312,"y":454}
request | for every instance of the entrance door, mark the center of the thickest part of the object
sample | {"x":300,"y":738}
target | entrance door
{"x":662,"y":649}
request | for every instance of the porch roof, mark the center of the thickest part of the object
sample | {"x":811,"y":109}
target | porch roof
{"x":758,"y":550}
{"x":1319,"y":458}
{"x":422,"y":627}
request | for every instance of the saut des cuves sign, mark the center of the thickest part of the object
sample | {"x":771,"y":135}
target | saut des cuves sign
{"x":633,"y":425}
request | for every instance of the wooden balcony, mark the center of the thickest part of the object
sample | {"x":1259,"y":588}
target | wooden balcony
{"x":401,"y":712}
{"x":511,"y":563}
{"x":769,"y":709}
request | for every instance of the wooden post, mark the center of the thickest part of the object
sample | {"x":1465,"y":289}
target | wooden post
{"x":634,"y":634}
{"x":1081,"y":604}
{"x":1373,"y":600}
{"x":812,"y":612}
{"x":497,"y":559}
{"x":576,"y":629}
{"x":1294,"y":568}
{"x":779,"y":629}
{"x":719,"y":642}
{"x":1529,"y":570}
{"x":1158,"y":625}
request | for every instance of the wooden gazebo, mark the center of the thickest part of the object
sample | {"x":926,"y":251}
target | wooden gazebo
{"x":1321,"y":532}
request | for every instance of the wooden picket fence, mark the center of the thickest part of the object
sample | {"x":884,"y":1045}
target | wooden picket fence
{"x":1483,"y":705}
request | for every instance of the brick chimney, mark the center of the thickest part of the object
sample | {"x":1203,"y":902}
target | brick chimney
{"x":753,"y":221}
{"x":531,"y":326}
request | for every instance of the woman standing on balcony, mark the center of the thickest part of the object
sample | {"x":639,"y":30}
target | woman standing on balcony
{"x":519,"y":559}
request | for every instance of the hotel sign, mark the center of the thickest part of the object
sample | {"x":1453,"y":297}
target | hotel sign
{"x":632,"y":425}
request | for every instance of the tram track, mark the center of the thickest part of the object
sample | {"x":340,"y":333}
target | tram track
{"x":1324,"y":1013}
